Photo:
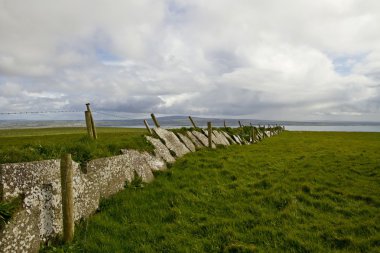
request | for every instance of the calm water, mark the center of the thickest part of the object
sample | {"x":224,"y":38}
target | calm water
{"x":335,"y":128}
{"x":301,"y":128}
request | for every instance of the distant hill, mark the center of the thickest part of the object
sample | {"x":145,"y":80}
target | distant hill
{"x":174,"y":121}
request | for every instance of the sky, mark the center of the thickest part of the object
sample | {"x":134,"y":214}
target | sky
{"x":272,"y":59}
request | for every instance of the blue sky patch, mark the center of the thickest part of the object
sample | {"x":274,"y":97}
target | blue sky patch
{"x":344,"y":64}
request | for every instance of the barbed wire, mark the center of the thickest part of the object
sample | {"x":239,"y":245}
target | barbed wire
{"x":112,"y":115}
{"x":37,"y":112}
{"x":65,"y":111}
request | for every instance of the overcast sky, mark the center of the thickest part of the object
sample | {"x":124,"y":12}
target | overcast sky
{"x":285,"y":60}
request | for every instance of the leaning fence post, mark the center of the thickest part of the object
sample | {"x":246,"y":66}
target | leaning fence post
{"x":67,"y":197}
{"x":155,"y":120}
{"x":192,"y":122}
{"x":90,"y":121}
{"x":240,"y":124}
{"x":147,"y":126}
{"x":209,"y":134}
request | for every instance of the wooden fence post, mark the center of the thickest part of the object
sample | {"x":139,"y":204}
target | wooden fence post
{"x":253,"y":134}
{"x":224,"y":123}
{"x":147,"y":126}
{"x":90,"y":121}
{"x":192,"y":122}
{"x":240,"y":124}
{"x":67,"y":197}
{"x":155,"y":120}
{"x":209,"y":134}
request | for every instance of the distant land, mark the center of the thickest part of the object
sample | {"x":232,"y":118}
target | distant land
{"x":175,"y":122}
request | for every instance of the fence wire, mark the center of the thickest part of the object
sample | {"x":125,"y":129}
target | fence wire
{"x":36,"y":112}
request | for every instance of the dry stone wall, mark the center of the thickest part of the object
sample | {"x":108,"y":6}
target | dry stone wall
{"x":187,"y":142}
{"x":40,"y":185}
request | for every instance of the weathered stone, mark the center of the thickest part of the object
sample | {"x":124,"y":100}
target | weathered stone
{"x":229,"y":138}
{"x":241,"y":139}
{"x":214,"y":138}
{"x":42,"y":199}
{"x":194,"y":139}
{"x":86,"y":193}
{"x":187,"y":142}
{"x":202,"y":138}
{"x":259,"y":135}
{"x":160,"y":150}
{"x":21,"y":233}
{"x":39,"y":183}
{"x":19,"y":178}
{"x":154,"y":162}
{"x":236,"y":139}
{"x":222,"y":140}
{"x":172,"y":142}
{"x":111,"y":173}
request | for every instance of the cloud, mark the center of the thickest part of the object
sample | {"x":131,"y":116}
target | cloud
{"x":264,"y":59}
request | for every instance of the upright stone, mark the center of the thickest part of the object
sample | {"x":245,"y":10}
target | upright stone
{"x":214,"y":138}
{"x":228,"y":137}
{"x":172,"y":142}
{"x":221,"y":139}
{"x":236,"y":139}
{"x":194,"y":139}
{"x":154,"y":162}
{"x":187,"y":142}
{"x":160,"y":149}
{"x":140,"y":165}
{"x":202,"y":138}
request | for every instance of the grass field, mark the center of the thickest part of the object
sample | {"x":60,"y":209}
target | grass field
{"x":296,"y":192}
{"x":21,"y":145}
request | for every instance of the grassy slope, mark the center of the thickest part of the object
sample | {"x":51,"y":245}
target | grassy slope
{"x":21,"y":145}
{"x":297,"y":192}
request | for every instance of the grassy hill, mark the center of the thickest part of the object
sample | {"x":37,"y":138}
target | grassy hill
{"x":296,"y":192}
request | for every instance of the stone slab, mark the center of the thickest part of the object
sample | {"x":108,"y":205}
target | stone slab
{"x":189,"y":144}
{"x":160,"y":150}
{"x":202,"y":138}
{"x":172,"y":142}
{"x":139,"y":164}
{"x":229,"y":138}
{"x":111,"y":173}
{"x":194,"y":139}
{"x":154,"y":162}
{"x":222,"y":139}
{"x":21,"y":233}
{"x":236,"y":139}
{"x":215,"y":138}
{"x":20,"y":178}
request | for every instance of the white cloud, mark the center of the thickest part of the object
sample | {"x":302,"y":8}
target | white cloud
{"x":268,"y":59}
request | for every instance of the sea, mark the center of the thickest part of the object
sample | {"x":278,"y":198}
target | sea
{"x":180,"y":121}
{"x":361,"y":128}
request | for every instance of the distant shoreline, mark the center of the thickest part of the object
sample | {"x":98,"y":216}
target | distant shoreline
{"x":178,"y":122}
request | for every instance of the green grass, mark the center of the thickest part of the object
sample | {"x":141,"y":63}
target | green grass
{"x":22,"y":145}
{"x":296,"y":192}
{"x":8,"y":208}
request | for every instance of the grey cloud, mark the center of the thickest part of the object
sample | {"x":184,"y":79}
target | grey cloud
{"x":218,"y":57}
